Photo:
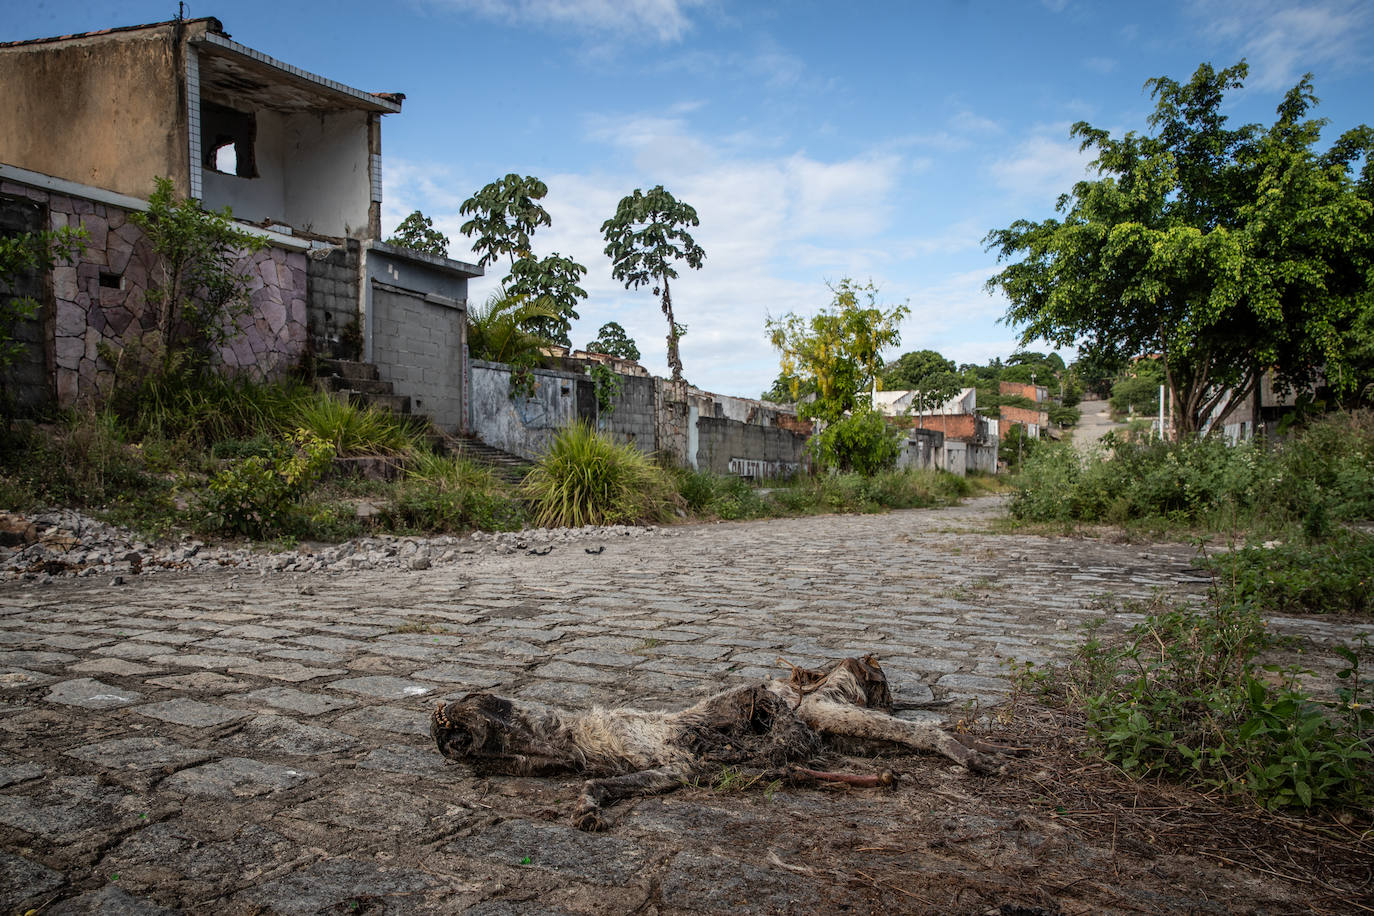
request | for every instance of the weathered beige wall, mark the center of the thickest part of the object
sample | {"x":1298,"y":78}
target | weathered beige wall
{"x":101,"y":112}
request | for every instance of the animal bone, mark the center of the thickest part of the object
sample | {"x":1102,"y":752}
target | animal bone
{"x":631,"y":752}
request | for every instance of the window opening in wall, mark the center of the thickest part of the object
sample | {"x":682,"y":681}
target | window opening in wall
{"x":228,"y":137}
{"x":110,"y":280}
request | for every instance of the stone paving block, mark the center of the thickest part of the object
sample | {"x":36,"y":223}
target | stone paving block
{"x":400,"y":758}
{"x":383,"y":687}
{"x":686,"y":650}
{"x":132,"y":650}
{"x":597,"y":858}
{"x":53,"y":821}
{"x":191,"y":713}
{"x":119,"y":667}
{"x":199,"y":660}
{"x":330,"y":643}
{"x":168,"y":638}
{"x":12,"y":678}
{"x":186,"y":846}
{"x":291,"y":672}
{"x":235,"y":777}
{"x":467,"y":675}
{"x":388,"y":719}
{"x":415,"y":653}
{"x":34,"y":659}
{"x":515,"y":908}
{"x":337,"y":885}
{"x":89,"y":693}
{"x":256,"y":631}
{"x":567,"y":694}
{"x":564,"y":671}
{"x":311,"y":704}
{"x":202,"y":681}
{"x":284,"y":735}
{"x":139,"y":753}
{"x":223,"y":644}
{"x":305,"y":655}
{"x":108,"y":901}
{"x":603,"y":659}
{"x":23,"y":881}
{"x":12,"y":772}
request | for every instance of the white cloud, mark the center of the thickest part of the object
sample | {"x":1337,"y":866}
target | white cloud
{"x":1042,"y":166}
{"x":1102,"y":65}
{"x":1282,"y":40}
{"x":667,"y":20}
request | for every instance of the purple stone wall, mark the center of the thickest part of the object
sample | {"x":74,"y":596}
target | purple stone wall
{"x":93,"y":323}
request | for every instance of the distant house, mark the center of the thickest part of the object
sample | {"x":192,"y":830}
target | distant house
{"x":969,"y":439}
{"x":87,"y":122}
{"x":1033,"y":419}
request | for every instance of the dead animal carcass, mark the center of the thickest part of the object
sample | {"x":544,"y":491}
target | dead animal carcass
{"x":631,"y":752}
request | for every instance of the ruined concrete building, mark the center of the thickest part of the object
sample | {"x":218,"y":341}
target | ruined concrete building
{"x":88,"y":121}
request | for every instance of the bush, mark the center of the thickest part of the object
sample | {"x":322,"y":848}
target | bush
{"x":1184,"y":698}
{"x":586,"y":479}
{"x":1335,"y":576}
{"x":728,"y":497}
{"x":862,"y":442}
{"x":1320,"y":478}
{"x":260,"y":497}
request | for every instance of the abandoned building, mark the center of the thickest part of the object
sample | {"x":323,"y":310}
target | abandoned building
{"x":951,"y":436}
{"x":88,"y":121}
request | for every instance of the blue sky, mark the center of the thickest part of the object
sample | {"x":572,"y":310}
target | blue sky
{"x":816,"y":140}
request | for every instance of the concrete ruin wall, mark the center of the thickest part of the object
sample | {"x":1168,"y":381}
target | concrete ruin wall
{"x":655,"y":415}
{"x":521,"y":426}
{"x":332,"y":304}
{"x":99,"y":304}
{"x":727,"y":446}
{"x":923,"y":448}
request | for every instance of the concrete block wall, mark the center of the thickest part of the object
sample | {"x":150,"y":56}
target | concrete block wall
{"x":332,"y":303}
{"x":417,"y":345}
{"x":632,"y":419}
{"x":726,"y":446}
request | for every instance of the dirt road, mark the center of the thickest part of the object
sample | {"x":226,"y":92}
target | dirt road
{"x":231,"y":743}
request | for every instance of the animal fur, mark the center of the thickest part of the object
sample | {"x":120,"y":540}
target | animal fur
{"x":632,"y":752}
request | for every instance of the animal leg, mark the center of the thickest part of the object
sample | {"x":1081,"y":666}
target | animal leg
{"x":600,"y":793}
{"x":830,"y":718}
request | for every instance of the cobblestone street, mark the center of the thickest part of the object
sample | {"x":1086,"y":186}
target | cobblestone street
{"x":236,"y":742}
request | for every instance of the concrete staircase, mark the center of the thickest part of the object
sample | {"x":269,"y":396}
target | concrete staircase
{"x":507,"y":466}
{"x":360,"y":384}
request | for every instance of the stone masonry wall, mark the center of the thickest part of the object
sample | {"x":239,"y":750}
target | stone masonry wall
{"x":102,"y":300}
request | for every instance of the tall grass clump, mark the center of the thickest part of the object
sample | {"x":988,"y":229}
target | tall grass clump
{"x":444,"y":494}
{"x":354,"y":431}
{"x":586,"y":479}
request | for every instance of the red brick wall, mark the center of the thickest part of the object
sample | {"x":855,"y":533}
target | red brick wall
{"x":1017,"y":389}
{"x":1024,"y":415}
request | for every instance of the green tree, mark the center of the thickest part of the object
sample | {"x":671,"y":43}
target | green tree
{"x":613,"y":341}
{"x":910,"y":369}
{"x":27,"y":254}
{"x":839,"y":349}
{"x":198,"y":288}
{"x":497,"y":330}
{"x":550,"y":282}
{"x":1224,"y":251}
{"x":505,"y":213}
{"x":417,"y":233}
{"x":643,"y":239}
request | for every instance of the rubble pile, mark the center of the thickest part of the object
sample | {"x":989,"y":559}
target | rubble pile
{"x":64,"y":542}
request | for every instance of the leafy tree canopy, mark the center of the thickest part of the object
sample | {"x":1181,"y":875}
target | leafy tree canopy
{"x":839,"y":349}
{"x":910,"y":369}
{"x":1225,"y":250}
{"x":417,"y":233}
{"x":504,"y":215}
{"x":550,"y":282}
{"x":613,"y":341}
{"x":645,"y":237}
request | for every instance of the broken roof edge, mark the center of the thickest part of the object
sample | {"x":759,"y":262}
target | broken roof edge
{"x":210,"y":22}
{"x":386,"y":103}
{"x":92,"y":193}
{"x":421,"y":257}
